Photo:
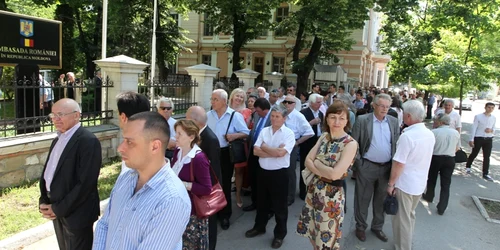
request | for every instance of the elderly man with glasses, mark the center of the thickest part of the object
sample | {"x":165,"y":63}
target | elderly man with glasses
{"x":302,"y":130}
{"x":292,"y":90}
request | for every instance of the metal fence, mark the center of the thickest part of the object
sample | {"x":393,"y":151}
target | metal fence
{"x":177,"y":87}
{"x":26,"y":103}
{"x":227,"y":84}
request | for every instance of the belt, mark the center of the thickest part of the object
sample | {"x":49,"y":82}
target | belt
{"x":225,"y":148}
{"x":337,"y":183}
{"x":484,"y":138}
{"x":378,"y":163}
{"x":444,"y":156}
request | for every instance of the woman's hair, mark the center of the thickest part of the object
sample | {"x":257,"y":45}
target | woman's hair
{"x":396,"y":103}
{"x":337,"y":107}
{"x":190,"y":128}
{"x":237,"y":91}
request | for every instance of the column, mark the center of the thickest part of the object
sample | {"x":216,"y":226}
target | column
{"x":204,"y":75}
{"x":247,"y":76}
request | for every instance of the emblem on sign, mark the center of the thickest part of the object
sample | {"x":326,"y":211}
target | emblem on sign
{"x":26,"y":28}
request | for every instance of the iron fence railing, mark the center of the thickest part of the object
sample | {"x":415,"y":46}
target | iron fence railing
{"x":227,"y":84}
{"x":177,"y":87}
{"x":25,"y":104}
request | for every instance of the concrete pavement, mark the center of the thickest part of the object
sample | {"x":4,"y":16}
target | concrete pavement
{"x":461,"y":227}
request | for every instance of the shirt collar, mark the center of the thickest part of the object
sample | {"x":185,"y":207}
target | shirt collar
{"x":414,"y":126}
{"x":375,"y":119}
{"x":159,"y":178}
{"x":192,"y":153}
{"x":203,"y":129}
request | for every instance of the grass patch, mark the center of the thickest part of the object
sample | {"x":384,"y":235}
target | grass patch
{"x":492,"y":207}
{"x":19,"y":205}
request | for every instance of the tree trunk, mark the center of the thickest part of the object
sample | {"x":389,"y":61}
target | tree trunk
{"x":298,"y":41}
{"x":3,"y":5}
{"x":89,"y":51}
{"x":307,"y":66}
{"x":462,"y":83}
{"x":160,"y":47}
{"x":238,"y":41}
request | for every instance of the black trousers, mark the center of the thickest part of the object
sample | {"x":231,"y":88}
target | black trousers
{"x":47,"y":108}
{"x":429,"y":112}
{"x":212,"y":232}
{"x":73,"y":239}
{"x":253,"y":166}
{"x":272,"y":196}
{"x":227,"y":169}
{"x":485,"y":143}
{"x":443,"y":166}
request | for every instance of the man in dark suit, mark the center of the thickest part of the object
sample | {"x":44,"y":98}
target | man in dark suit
{"x":210,"y":146}
{"x":68,"y":185}
{"x":262,"y":107}
{"x":377,"y":134}
{"x":315,"y":119}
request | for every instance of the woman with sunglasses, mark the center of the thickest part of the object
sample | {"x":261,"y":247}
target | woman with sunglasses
{"x":165,"y":108}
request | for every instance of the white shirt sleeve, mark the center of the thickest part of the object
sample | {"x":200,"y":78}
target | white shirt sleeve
{"x":403,"y":149}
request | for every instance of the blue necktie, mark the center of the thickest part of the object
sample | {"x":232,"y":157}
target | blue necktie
{"x":260,"y":124}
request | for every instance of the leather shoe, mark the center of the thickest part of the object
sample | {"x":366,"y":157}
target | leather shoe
{"x":253,"y":232}
{"x":249,"y":208}
{"x":381,"y":235}
{"x":425,"y":198}
{"x":277,"y":243}
{"x":360,"y":234}
{"x":224,"y":224}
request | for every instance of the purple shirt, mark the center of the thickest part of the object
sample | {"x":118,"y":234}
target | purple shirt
{"x":55,"y":154}
{"x":202,"y":184}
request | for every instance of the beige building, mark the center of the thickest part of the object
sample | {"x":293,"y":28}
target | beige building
{"x":364,"y":64}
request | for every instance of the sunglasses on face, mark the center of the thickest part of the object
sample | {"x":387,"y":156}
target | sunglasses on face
{"x":167,"y":108}
{"x":288,"y":102}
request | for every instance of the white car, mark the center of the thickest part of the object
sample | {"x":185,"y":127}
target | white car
{"x":466,"y":103}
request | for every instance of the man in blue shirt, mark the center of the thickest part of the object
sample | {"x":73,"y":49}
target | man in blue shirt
{"x":430,"y":104}
{"x":218,"y":122}
{"x":149,"y":206}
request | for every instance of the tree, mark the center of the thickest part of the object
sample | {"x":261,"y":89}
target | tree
{"x":245,"y":20}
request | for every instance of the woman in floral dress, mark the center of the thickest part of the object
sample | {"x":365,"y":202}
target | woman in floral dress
{"x":322,"y":215}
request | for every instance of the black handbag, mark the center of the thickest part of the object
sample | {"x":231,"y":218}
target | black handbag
{"x":391,"y":205}
{"x":237,"y":152}
{"x":460,"y":156}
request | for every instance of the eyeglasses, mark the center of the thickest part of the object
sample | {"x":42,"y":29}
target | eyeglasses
{"x":383,"y":106}
{"x":60,"y":115}
{"x":288,"y":102}
{"x":167,"y":108}
{"x":289,"y":90}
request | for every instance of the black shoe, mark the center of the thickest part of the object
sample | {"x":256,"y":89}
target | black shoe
{"x":487,"y":177}
{"x":440,"y":212}
{"x":277,"y":243}
{"x":224,"y":224}
{"x":426,"y":198}
{"x":253,"y":232}
{"x":249,"y":208}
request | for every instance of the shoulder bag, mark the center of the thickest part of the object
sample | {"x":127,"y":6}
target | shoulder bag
{"x":460,"y":156}
{"x":208,"y":205}
{"x":237,"y":152}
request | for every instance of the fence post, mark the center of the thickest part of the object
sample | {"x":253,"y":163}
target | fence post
{"x":124,"y":72}
{"x":204,"y":75}
{"x":275,"y":78}
{"x":247,"y":76}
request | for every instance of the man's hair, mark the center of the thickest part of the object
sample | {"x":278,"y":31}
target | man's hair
{"x":314,"y":97}
{"x":155,"y":127}
{"x":165,"y":100}
{"x":415,"y":109}
{"x":442,"y":118}
{"x":448,"y":101}
{"x":222,"y":94}
{"x":342,"y":87}
{"x":292,"y":86}
{"x":333,"y":85}
{"x":489,"y":104}
{"x":274,"y":92}
{"x":382,"y":96}
{"x":262,"y":103}
{"x":281,"y":109}
{"x":131,"y":103}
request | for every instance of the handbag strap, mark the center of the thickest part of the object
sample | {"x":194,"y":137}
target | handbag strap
{"x":230,"y":120}
{"x":210,"y":166}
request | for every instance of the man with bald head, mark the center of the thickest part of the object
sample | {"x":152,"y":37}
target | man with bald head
{"x":210,"y":146}
{"x":68,"y":184}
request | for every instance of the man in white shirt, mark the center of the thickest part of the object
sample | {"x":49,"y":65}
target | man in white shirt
{"x":262,"y":93}
{"x":482,"y":133}
{"x":455,"y":120}
{"x":273,"y":147}
{"x":218,"y":121}
{"x":292,"y":90}
{"x":298,"y":123}
{"x":409,"y":171}
{"x":443,"y":161}
{"x":165,"y":107}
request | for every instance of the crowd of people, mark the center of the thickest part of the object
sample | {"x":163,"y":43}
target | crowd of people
{"x":167,"y":163}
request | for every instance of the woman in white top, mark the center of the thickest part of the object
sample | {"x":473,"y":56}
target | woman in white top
{"x":396,"y":106}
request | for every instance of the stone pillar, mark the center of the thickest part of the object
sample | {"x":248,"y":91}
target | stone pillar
{"x":124,"y":72}
{"x":247,"y":76}
{"x":292,"y":78}
{"x":204,"y":75}
{"x":275,"y":78}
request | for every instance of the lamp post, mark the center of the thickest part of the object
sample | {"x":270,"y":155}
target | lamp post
{"x":153,"y":53}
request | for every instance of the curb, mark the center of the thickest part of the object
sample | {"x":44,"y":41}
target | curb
{"x":482,"y":210}
{"x":35,"y":234}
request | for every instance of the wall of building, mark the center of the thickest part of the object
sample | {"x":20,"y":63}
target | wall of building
{"x":23,"y":159}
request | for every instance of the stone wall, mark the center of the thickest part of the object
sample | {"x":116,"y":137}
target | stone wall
{"x":22,"y":159}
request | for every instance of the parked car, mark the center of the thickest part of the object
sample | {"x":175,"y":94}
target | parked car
{"x":466,"y":103}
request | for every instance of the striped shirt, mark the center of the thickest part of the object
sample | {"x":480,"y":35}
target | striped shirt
{"x":155,"y":217}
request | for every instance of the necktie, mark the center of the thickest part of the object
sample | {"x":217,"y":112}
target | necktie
{"x":260,"y":124}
